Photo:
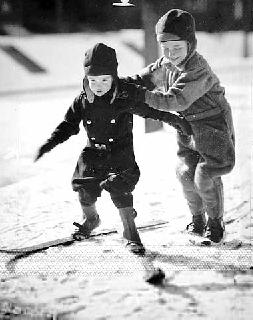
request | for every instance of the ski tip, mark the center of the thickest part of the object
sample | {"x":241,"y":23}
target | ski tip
{"x":155,"y":277}
{"x":206,"y":243}
{"x":76,"y":224}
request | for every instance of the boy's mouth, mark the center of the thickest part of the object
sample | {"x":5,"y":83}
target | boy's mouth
{"x":174,"y":59}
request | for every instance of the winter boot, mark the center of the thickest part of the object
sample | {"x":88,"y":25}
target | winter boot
{"x":130,"y":232}
{"x":198,"y":225}
{"x":91,"y":221}
{"x":215,"y":230}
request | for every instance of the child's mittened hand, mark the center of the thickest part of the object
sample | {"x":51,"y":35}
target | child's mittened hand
{"x":42,"y":150}
{"x":135,"y":92}
{"x":38,"y":155}
{"x":180,"y":124}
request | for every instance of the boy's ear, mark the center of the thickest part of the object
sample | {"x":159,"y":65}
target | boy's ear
{"x":189,"y":46}
{"x":115,"y":85}
{"x":90,"y":95}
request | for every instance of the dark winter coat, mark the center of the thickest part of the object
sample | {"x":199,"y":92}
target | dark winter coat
{"x":108,"y":121}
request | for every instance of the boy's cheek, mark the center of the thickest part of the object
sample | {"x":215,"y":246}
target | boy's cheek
{"x":165,"y":52}
{"x":92,"y":88}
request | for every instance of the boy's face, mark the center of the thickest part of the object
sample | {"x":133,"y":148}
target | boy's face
{"x":99,"y":85}
{"x":174,"y":50}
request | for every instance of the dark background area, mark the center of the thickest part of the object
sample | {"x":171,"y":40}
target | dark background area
{"x":24,"y":17}
{"x":50,"y":16}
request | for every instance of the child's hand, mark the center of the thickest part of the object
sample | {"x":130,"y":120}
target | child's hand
{"x":134,"y":93}
{"x":180,"y":124}
{"x":42,"y":150}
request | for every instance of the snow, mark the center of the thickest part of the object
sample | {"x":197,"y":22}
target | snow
{"x":99,"y":279}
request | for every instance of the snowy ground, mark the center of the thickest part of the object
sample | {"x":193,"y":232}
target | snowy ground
{"x":99,"y":279}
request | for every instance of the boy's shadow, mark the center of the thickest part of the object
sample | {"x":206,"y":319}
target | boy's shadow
{"x":194,"y":264}
{"x":165,"y":284}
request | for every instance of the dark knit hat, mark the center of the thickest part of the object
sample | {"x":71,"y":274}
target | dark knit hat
{"x":99,"y":60}
{"x":176,"y":24}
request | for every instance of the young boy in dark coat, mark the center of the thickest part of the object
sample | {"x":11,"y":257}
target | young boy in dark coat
{"x":107,"y":162}
{"x":187,"y":85}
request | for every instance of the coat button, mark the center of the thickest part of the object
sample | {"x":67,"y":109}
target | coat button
{"x":113,"y":121}
{"x":110,"y":140}
{"x":88,"y":121}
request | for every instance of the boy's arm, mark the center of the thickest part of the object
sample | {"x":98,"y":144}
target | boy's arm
{"x":143,"y":110}
{"x":189,"y":87}
{"x":68,"y":127}
{"x":173,"y":120}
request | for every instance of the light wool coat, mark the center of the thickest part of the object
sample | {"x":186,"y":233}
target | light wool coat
{"x":194,"y":91}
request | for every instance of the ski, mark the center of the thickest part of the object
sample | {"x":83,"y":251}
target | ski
{"x":69,"y":240}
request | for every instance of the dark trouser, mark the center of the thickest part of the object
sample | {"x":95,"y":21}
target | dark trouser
{"x":120,"y":200}
{"x":203,"y":158}
{"x":115,"y":171}
{"x":120,"y":187}
{"x":112,"y":170}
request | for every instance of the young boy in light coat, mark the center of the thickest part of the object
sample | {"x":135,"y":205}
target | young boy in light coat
{"x":185,"y":83}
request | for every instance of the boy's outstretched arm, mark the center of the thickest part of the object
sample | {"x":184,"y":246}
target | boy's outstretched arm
{"x":189,"y":87}
{"x":180,"y":124}
{"x":136,"y":99}
{"x":64,"y":130}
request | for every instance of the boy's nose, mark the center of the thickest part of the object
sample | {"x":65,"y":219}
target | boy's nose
{"x":167,"y":52}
